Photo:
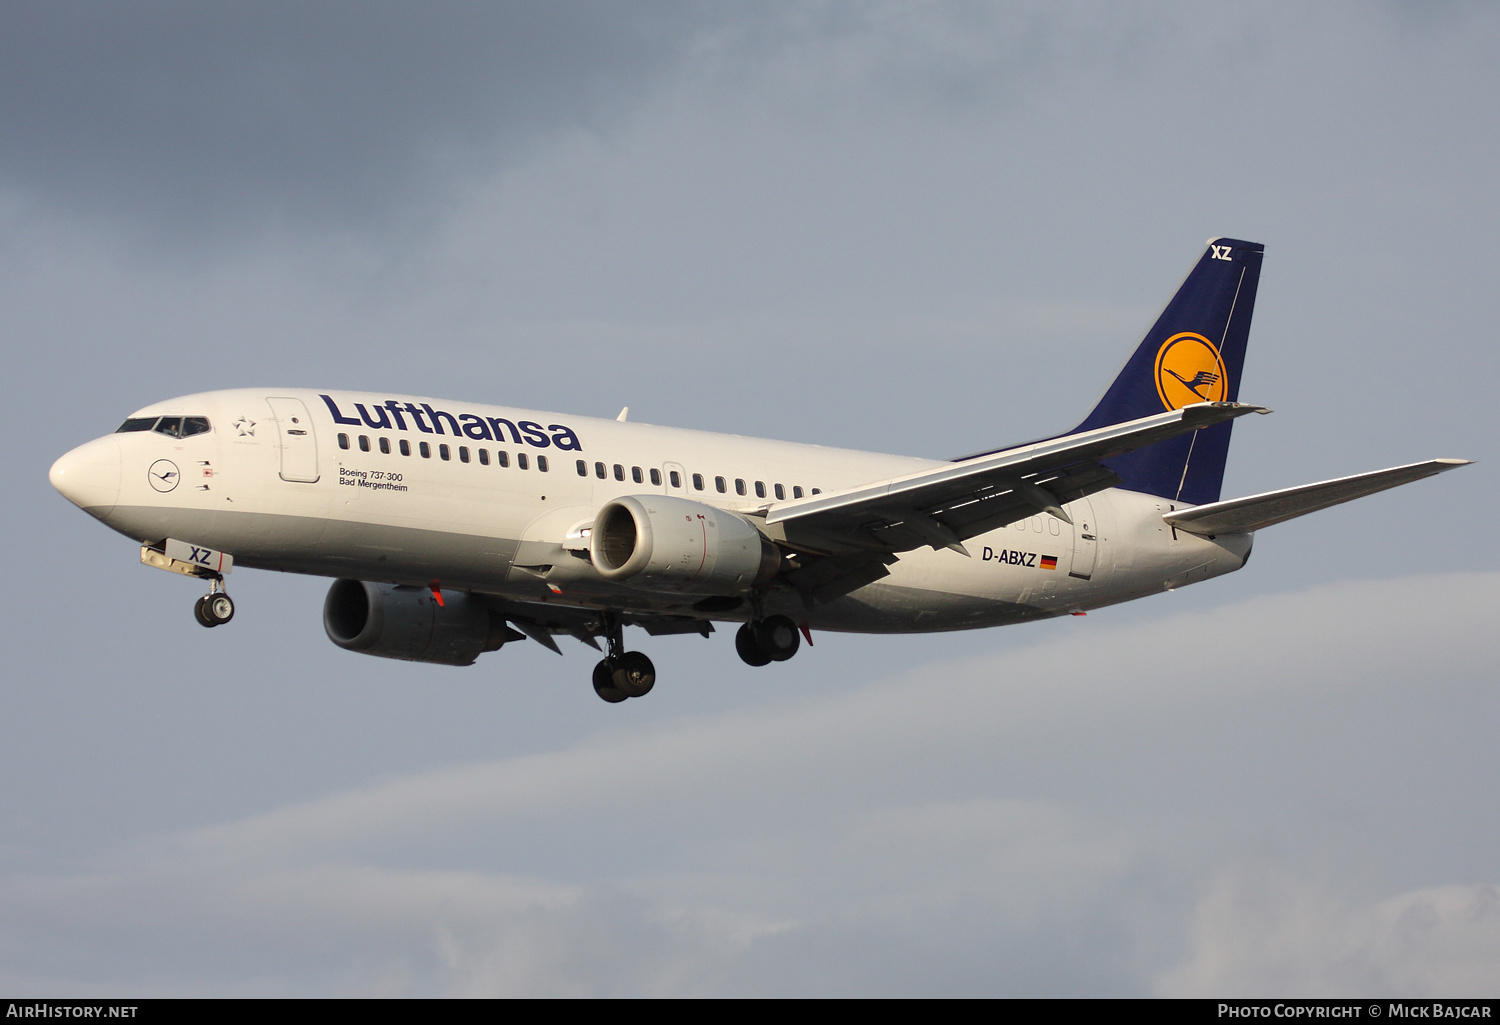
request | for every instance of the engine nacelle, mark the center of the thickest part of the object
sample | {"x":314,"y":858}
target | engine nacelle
{"x":675,"y":544}
{"x":407,"y":623}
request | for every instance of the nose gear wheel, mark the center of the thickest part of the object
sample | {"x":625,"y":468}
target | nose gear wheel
{"x":214,"y":609}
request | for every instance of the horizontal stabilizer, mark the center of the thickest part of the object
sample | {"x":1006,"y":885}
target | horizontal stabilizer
{"x":1240,"y":515}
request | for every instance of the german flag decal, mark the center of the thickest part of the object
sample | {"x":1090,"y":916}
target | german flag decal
{"x":1049,"y":562}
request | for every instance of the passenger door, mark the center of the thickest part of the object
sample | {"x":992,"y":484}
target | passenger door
{"x":299,"y":446}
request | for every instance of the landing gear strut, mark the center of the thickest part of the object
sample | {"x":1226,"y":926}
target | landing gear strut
{"x":622,"y":674}
{"x":773,"y":639}
{"x":215,"y":608}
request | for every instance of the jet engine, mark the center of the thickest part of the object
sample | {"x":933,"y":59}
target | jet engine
{"x":674,"y":544}
{"x":408,"y":623}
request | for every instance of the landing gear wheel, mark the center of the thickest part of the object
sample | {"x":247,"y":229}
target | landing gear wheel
{"x":217,"y":608}
{"x":200,"y":615}
{"x":604,"y":685}
{"x":778,"y":638}
{"x":634,"y":675}
{"x":746,"y":643}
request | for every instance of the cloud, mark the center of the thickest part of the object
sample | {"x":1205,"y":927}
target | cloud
{"x":1067,"y":818}
{"x":332,"y":113}
{"x":189,"y":120}
{"x":1262,"y":932}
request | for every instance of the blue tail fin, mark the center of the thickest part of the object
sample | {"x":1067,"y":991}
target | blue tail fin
{"x":1193,"y":353}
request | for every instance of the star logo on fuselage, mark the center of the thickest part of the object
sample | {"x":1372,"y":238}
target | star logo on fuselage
{"x":245,"y":426}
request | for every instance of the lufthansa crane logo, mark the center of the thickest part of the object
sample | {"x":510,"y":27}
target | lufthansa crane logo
{"x":163,"y":475}
{"x":1189,"y":369}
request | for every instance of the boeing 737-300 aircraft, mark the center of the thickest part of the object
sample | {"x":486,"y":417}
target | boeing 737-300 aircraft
{"x":453,"y":528}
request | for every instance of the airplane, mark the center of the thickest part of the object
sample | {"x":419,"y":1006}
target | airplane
{"x":453,"y":528}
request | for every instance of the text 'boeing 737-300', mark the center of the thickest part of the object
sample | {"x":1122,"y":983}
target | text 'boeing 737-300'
{"x":452,"y":528}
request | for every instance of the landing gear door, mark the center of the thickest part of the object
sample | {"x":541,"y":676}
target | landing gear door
{"x":1085,"y":539}
{"x":299,"y":446}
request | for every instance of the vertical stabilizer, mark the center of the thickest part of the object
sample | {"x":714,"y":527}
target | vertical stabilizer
{"x":1193,"y":353}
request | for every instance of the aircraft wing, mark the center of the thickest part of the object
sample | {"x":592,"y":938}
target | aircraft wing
{"x":1239,"y":515}
{"x":943,"y":507}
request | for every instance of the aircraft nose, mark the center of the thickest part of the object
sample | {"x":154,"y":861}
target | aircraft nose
{"x":89,"y":476}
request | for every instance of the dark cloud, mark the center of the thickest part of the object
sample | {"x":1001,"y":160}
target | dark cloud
{"x":345,"y":114}
{"x":328,"y":112}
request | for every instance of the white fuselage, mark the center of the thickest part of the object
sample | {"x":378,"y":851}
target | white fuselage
{"x":497,"y":523}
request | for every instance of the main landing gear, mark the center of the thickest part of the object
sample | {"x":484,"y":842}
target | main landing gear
{"x":215,"y":608}
{"x":773,"y":639}
{"x":622,"y":674}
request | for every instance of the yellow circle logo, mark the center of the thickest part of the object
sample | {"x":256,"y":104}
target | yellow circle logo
{"x":1188,"y":370}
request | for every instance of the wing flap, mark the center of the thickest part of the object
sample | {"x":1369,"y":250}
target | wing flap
{"x":835,"y":576}
{"x":1240,"y":515}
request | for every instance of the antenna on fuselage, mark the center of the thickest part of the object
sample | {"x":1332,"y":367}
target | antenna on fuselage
{"x":624,"y":412}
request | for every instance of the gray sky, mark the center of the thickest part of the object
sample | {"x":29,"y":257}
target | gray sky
{"x":919,"y":228}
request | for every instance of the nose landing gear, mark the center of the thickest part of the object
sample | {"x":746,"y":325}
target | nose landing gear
{"x":215,"y":608}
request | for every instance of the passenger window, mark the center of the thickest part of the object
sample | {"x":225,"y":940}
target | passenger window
{"x":463,"y":453}
{"x":719,"y":483}
{"x":619,"y":472}
{"x":364,"y":443}
{"x":599,"y":471}
{"x":739,"y":486}
{"x":760,"y":489}
{"x":796,"y":490}
{"x":170,"y":426}
{"x":541,"y":464}
{"x":484,"y":457}
{"x":697,"y":482}
{"x":443,"y":452}
{"x":385,"y":446}
{"x":817,"y":491}
{"x":635,"y":474}
{"x":502,"y":458}
{"x":139,"y":424}
{"x":405,"y":447}
{"x":343,"y":441}
{"x":583,"y":468}
{"x":425,"y":449}
{"x":520,"y":460}
{"x":780,"y":493}
{"x":192,"y":425}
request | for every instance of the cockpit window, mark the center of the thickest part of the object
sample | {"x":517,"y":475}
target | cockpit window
{"x":171,"y":426}
{"x":144,"y":423}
